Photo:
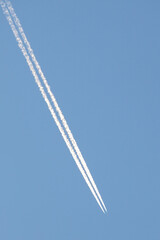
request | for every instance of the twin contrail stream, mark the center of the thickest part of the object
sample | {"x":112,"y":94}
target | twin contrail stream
{"x":17,"y":22}
{"x":86,"y":174}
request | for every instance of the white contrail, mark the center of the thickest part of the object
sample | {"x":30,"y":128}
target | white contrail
{"x":17,"y":22}
{"x":23,"y":50}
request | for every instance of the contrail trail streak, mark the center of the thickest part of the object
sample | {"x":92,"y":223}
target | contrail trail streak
{"x":24,"y":52}
{"x":17,"y":22}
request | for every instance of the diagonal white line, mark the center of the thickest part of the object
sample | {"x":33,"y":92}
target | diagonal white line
{"x":17,"y":22}
{"x":31,"y":67}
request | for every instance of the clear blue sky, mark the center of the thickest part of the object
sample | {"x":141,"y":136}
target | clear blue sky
{"x":101,"y":59}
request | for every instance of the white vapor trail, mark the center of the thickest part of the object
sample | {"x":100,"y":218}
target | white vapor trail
{"x":17,"y":22}
{"x":21,"y":46}
{"x":23,"y":50}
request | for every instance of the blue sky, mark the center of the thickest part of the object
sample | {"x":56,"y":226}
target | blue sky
{"x":101,"y":59}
